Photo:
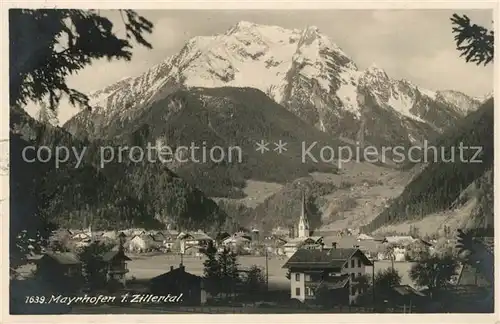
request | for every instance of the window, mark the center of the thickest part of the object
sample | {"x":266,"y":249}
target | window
{"x":309,"y":291}
{"x":359,"y":263}
{"x":297,"y":291}
{"x":297,"y":277}
{"x":352,"y":263}
{"x":307,"y":277}
{"x":353,"y":291}
{"x":352,"y":276}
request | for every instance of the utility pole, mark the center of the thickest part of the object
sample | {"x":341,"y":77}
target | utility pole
{"x":373,"y":282}
{"x":267,"y":271}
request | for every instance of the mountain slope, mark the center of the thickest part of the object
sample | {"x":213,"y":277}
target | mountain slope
{"x":284,"y":207}
{"x":439,"y":185}
{"x":118,"y":195}
{"x":234,"y":119}
{"x":303,"y":70}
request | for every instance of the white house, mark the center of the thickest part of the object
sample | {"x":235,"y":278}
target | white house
{"x":334,"y":268}
{"x":236,"y":240}
{"x":112,"y":235}
{"x":81,"y":236}
{"x":140,"y":243}
{"x":292,"y":245}
{"x":399,"y":245}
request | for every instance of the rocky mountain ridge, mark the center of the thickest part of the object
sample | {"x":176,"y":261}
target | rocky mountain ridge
{"x":303,"y":70}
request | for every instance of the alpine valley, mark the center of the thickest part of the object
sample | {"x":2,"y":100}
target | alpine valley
{"x":258,"y":82}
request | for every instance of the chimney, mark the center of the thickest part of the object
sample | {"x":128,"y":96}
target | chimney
{"x":182,"y":267}
{"x":334,"y":245}
{"x":171,"y":268}
{"x":322,"y":246}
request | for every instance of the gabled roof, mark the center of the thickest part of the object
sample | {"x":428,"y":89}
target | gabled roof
{"x":236,"y":239}
{"x":110,"y":255}
{"x":335,"y":282}
{"x":157,"y":237}
{"x":176,"y":275}
{"x":405,"y":290}
{"x":222,"y":236}
{"x":399,"y":239}
{"x":274,"y":237}
{"x":315,"y":238}
{"x":199,"y":236}
{"x":323,"y":258}
{"x":469,"y":276}
{"x":144,"y":237}
{"x":63,"y":257}
{"x":296,"y":240}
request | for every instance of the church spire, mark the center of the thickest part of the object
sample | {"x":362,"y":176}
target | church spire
{"x":303,"y":221}
{"x":303,"y":206}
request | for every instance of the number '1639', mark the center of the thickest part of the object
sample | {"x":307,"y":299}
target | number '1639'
{"x":35,"y":299}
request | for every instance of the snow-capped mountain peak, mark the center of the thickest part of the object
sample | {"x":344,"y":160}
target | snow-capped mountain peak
{"x":302,"y":69}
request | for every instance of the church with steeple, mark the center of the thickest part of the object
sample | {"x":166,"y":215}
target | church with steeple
{"x":301,"y":236}
{"x":303,"y":229}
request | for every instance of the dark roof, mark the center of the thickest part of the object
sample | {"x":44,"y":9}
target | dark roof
{"x":323,"y":258}
{"x":157,"y":237}
{"x":336,"y":282}
{"x":110,"y":255}
{"x":470,"y":276}
{"x":176,"y":275}
{"x":199,"y":236}
{"x":405,"y":290}
{"x":63,"y":257}
{"x":425,"y":242}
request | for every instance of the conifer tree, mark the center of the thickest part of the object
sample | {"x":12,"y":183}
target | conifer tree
{"x":47,"y":45}
{"x":474,"y":42}
{"x":211,"y":271}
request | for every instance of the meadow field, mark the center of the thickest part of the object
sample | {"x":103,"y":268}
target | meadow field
{"x":148,"y":266}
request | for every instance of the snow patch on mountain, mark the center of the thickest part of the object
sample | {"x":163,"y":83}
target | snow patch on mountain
{"x":402,"y":103}
{"x":348,"y":92}
{"x":462,"y":103}
{"x":429,"y":93}
{"x":304,"y":70}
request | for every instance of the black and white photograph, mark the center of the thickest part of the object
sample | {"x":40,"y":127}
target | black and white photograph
{"x":252,"y":161}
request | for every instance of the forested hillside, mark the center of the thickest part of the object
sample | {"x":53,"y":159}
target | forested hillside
{"x":118,"y":195}
{"x":224,"y":117}
{"x":284,"y":207}
{"x":442,"y":181}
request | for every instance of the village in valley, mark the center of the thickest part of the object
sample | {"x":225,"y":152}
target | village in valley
{"x":249,"y":271}
{"x":326,"y":209}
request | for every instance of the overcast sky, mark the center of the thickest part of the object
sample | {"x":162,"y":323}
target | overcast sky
{"x":413,"y":44}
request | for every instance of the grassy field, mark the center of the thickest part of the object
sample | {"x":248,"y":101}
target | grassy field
{"x":146,"y":267}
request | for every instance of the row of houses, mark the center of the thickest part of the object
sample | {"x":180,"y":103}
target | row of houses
{"x":339,"y":272}
{"x":140,"y":240}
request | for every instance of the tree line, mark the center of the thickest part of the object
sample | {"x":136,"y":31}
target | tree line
{"x":223,"y":276}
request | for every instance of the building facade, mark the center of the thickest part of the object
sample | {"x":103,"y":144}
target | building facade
{"x":180,"y":283}
{"x":337,"y":270}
